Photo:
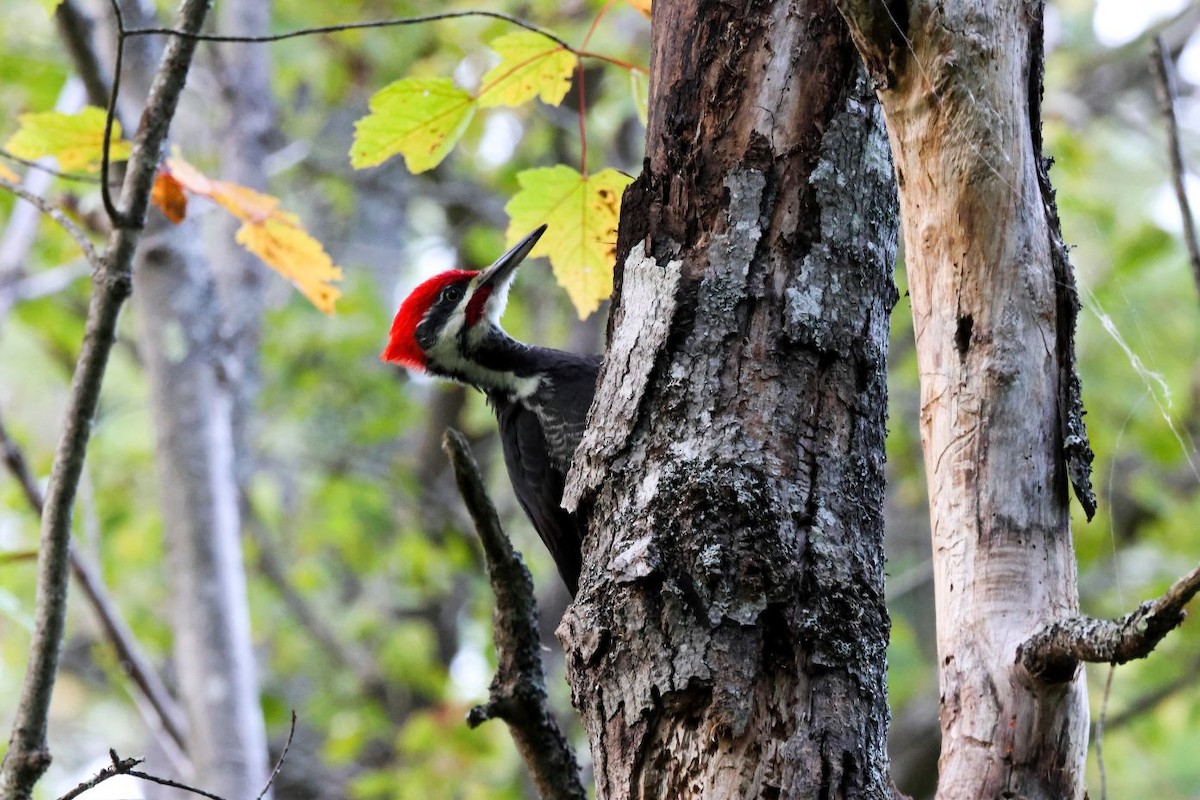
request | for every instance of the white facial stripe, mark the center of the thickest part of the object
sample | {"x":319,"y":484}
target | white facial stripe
{"x":445,"y":354}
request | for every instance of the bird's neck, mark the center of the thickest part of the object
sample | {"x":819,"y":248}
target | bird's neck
{"x":493,"y":361}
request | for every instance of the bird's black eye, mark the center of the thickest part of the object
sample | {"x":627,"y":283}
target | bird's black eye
{"x":452,"y":294}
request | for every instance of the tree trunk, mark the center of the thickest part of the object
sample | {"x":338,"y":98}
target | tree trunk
{"x":176,"y":305}
{"x":994,"y":306}
{"x":249,"y":107}
{"x":729,"y":636}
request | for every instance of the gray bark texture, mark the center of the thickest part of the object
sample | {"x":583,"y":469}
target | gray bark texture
{"x":250,"y":119}
{"x":176,"y":304}
{"x":994,"y":307}
{"x":728,"y":640}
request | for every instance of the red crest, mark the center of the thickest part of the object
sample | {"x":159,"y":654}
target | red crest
{"x":402,"y":347}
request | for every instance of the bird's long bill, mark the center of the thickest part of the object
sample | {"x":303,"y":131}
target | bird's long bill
{"x":498,"y":273}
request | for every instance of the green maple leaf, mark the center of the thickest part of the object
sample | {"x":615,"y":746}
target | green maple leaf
{"x":581,"y":237}
{"x":420,"y":118}
{"x":530,"y":66}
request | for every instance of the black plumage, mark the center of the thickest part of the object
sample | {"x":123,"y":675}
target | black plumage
{"x":449,"y":326}
{"x":539,"y":434}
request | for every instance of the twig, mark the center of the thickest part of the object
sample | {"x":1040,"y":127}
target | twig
{"x":125,"y":766}
{"x":28,"y":755}
{"x":75,"y":28}
{"x":129,"y":654}
{"x":518,"y":692}
{"x":283,"y":755}
{"x":1166,"y":99}
{"x":349,"y":26}
{"x":1053,"y":653}
{"x":47,"y":208}
{"x":40,"y":167}
{"x":120,"y":766}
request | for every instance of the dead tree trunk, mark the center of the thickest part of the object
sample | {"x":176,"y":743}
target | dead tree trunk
{"x":994,"y":307}
{"x":729,"y":637}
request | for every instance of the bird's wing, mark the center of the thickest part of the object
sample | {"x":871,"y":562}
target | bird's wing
{"x":538,"y":484}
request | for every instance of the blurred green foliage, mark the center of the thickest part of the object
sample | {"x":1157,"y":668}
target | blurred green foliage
{"x":350,"y":496}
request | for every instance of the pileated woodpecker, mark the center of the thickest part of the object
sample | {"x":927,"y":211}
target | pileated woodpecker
{"x":449,"y":326}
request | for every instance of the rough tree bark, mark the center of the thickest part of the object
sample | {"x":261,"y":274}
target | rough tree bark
{"x":994,"y":307}
{"x":729,"y":637}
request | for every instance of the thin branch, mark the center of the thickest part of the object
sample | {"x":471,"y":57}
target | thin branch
{"x":129,"y":654}
{"x":40,"y":167}
{"x":279,"y":763}
{"x":125,"y":766}
{"x":28,"y":755}
{"x":119,"y":218}
{"x":348,"y":26}
{"x":518,"y":692}
{"x":120,"y":766}
{"x":75,"y":28}
{"x":1165,"y":85}
{"x":1054,"y":653}
{"x":47,"y":208}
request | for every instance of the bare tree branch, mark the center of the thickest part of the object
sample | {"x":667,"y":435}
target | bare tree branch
{"x":49,"y":209}
{"x":135,"y":664}
{"x":40,"y":167}
{"x":1053,"y":653}
{"x":1165,"y":84}
{"x":28,"y":755}
{"x":518,"y":692}
{"x":75,"y":28}
{"x":125,"y":766}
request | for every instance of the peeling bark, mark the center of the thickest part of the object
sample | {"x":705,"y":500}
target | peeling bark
{"x":730,"y":632}
{"x":994,"y":307}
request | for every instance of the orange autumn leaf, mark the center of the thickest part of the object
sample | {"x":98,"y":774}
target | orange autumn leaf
{"x":167,"y":194}
{"x":273,"y":235}
{"x":281,"y":242}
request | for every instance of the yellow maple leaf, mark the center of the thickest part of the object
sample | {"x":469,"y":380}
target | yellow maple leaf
{"x":275,"y":236}
{"x":281,"y":242}
{"x":76,"y":140}
{"x":530,"y":66}
{"x":582,"y":215}
{"x":641,"y":5}
{"x":420,"y":118}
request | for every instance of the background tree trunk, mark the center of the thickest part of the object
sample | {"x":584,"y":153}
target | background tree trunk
{"x":176,"y":304}
{"x":994,"y":307}
{"x":729,"y":636}
{"x":200,"y":346}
